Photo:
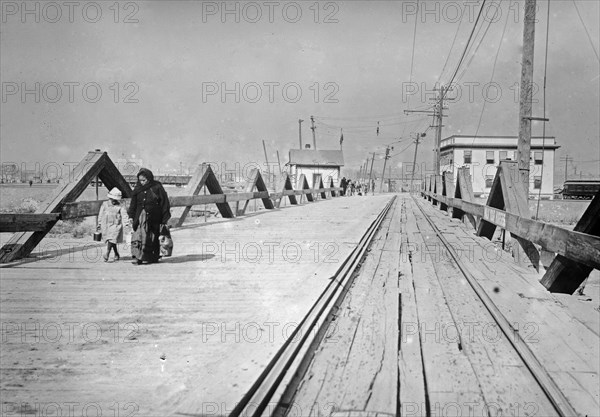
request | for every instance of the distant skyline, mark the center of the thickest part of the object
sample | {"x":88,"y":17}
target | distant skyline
{"x":181,"y":82}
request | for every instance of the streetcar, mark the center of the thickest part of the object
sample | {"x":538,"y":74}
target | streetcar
{"x":580,"y":189}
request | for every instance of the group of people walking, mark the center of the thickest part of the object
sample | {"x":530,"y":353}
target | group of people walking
{"x":350,"y":188}
{"x":148,"y":213}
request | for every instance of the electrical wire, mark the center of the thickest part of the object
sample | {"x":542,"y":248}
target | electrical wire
{"x":412,"y":59}
{"x":465,"y":51}
{"x":452,"y":46}
{"x":586,"y":30}
{"x":492,"y":77}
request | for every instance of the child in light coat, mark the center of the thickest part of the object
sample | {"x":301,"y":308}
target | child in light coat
{"x":111,"y":219}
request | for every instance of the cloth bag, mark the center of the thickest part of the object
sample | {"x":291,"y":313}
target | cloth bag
{"x":166,"y":241}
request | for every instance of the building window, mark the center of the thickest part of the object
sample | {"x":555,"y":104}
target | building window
{"x":489,"y":157}
{"x":537,"y":156}
{"x":503,"y":155}
{"x":537,"y":182}
{"x":489,"y":180}
{"x":468,"y":155}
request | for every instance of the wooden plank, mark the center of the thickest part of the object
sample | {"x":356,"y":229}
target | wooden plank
{"x":27,"y":222}
{"x":197,"y":200}
{"x":565,"y":275}
{"x":363,"y":339}
{"x":505,"y":380}
{"x":412,"y":392}
{"x":561,"y":343}
{"x":448,"y":373}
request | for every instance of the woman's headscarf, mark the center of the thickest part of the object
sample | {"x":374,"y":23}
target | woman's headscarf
{"x":149,"y":176}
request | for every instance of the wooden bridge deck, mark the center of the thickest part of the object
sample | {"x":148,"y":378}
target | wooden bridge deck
{"x":216,"y":310}
{"x":190,"y":335}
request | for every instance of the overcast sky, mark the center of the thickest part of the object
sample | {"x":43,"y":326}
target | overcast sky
{"x":348,"y":63}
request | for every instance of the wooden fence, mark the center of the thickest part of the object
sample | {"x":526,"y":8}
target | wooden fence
{"x":577,"y":252}
{"x":31,"y":228}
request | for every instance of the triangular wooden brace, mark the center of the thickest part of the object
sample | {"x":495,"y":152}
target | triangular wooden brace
{"x":447,"y":188}
{"x":464,"y":191}
{"x":565,"y":275}
{"x":434,"y":189}
{"x":203,"y":176}
{"x":94,"y":164}
{"x":255,"y":180}
{"x":439,"y":188}
{"x":429,"y":187}
{"x":303,"y":185}
{"x":286,"y":185}
{"x":321,"y":186}
{"x":331,"y":185}
{"x":507,"y":194}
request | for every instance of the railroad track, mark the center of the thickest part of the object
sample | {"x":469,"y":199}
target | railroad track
{"x":265,"y":394}
{"x":275,"y":389}
{"x":553,"y":393}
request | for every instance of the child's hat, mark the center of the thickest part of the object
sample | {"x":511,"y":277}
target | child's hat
{"x":115,"y":194}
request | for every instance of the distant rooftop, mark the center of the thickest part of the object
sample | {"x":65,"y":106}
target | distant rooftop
{"x":316,"y":158}
{"x":510,"y":142}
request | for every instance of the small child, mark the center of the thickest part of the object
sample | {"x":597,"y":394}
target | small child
{"x":111,"y":218}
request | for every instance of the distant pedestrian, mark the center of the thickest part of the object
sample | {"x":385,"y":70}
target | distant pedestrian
{"x":30,"y":183}
{"x":111,"y":218}
{"x":352,"y":187}
{"x":344,"y":185}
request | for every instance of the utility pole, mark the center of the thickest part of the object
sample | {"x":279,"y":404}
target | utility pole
{"x":300,"y":131}
{"x":567,"y":159}
{"x":312,"y":122}
{"x":371,"y":175}
{"x":525,"y":100}
{"x":438,"y":134}
{"x":412,"y":177}
{"x":387,"y":156}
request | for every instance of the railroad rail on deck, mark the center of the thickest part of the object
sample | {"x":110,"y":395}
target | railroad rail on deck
{"x":577,"y":252}
{"x":31,"y":228}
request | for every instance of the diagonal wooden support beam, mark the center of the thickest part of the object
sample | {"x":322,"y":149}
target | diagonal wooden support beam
{"x":464,"y":191}
{"x":507,"y":194}
{"x":332,"y":186}
{"x":203,"y":176}
{"x":255,"y":180}
{"x":564,"y":275}
{"x":95,"y":164}
{"x":286,"y":185}
{"x":303,"y":185}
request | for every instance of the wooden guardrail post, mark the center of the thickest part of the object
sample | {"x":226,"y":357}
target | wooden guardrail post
{"x":565,"y":275}
{"x":464,"y":192}
{"x":94,"y":164}
{"x":447,"y":187}
{"x":256,"y":181}
{"x":332,"y":186}
{"x":508,"y":194}
{"x":439,"y":188}
{"x":203,"y":176}
{"x":303,"y":185}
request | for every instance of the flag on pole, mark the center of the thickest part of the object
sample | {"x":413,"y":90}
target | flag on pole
{"x":377,"y":128}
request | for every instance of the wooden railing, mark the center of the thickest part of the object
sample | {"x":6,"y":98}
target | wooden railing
{"x":31,"y":228}
{"x":577,"y":251}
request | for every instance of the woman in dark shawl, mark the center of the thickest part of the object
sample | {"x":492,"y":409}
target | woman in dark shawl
{"x":148,"y":210}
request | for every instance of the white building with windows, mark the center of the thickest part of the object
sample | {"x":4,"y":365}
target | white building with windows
{"x":316,"y":165}
{"x":482,"y":154}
